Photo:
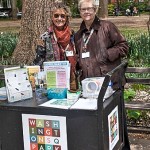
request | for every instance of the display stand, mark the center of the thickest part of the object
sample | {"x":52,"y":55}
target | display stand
{"x":100,"y":129}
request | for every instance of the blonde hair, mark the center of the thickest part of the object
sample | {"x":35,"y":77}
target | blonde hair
{"x":60,"y":5}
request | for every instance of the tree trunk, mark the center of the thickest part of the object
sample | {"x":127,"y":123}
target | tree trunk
{"x":14,"y":9}
{"x":35,"y":20}
{"x":103,"y":10}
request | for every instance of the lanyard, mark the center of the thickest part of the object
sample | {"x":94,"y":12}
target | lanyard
{"x":59,"y":44}
{"x":86,"y":40}
{"x":67,"y":47}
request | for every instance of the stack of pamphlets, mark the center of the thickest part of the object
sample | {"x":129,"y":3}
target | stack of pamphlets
{"x":3,"y":94}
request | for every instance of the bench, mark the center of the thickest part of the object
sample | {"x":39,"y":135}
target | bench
{"x":146,"y":81}
{"x":138,"y":105}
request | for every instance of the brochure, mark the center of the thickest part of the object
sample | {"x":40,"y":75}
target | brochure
{"x":57,"y":74}
{"x":33,"y":75}
{"x":17,"y":83}
{"x":58,"y":103}
{"x":86,"y":104}
{"x":81,"y":103}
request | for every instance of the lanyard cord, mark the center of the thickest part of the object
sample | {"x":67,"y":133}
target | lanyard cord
{"x":74,"y":49}
{"x":66,"y":49}
{"x":86,"y":40}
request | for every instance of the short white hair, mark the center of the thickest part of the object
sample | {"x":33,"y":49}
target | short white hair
{"x":81,"y":1}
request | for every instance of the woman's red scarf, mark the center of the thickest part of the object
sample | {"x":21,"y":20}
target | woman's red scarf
{"x":63,"y":36}
{"x":63,"y":39}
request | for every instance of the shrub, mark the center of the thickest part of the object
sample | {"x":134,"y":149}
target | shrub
{"x":8,"y":43}
{"x":139,"y":49}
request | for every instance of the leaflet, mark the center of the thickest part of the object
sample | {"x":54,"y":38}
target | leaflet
{"x":17,"y":84}
{"x":57,"y":74}
{"x":81,"y":103}
{"x":58,"y":103}
{"x":86,"y":104}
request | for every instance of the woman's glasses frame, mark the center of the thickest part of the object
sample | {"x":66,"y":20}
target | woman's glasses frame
{"x":88,"y":9}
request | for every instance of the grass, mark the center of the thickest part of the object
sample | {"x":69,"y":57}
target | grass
{"x":124,"y":30}
{"x":10,"y":29}
{"x":132,"y":30}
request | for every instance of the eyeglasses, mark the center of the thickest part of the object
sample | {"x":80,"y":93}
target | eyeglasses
{"x":89,"y":9}
{"x":63,"y":16}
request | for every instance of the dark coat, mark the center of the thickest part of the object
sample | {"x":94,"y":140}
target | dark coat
{"x":106,"y":46}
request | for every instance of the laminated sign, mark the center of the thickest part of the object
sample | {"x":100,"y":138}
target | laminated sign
{"x":57,"y":74}
{"x":17,"y":83}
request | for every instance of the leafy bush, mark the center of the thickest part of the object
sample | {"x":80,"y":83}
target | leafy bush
{"x":129,"y":94}
{"x":133,"y":114}
{"x":19,"y":4}
{"x":141,"y":6}
{"x":139,"y":49}
{"x":111,"y":9}
{"x":8,"y":43}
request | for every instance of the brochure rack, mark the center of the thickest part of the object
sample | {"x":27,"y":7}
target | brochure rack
{"x":17,"y":84}
{"x":101,"y":129}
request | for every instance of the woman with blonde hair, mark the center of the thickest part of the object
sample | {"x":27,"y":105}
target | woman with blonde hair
{"x":59,"y":41}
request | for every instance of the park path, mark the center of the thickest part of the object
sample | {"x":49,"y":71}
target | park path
{"x":131,"y":21}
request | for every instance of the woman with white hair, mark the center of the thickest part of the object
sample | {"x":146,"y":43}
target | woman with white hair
{"x":100,"y":47}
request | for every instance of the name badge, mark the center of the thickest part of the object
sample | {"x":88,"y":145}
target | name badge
{"x":69,"y":53}
{"x":86,"y":55}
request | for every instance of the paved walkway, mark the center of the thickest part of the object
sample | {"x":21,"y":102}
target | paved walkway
{"x":131,"y":21}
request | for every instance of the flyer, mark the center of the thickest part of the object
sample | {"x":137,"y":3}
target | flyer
{"x":17,"y":83}
{"x":57,"y":74}
{"x":58,"y":103}
{"x":33,"y":75}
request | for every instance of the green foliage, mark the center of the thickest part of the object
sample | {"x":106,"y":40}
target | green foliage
{"x":111,"y":9}
{"x":8,"y":43}
{"x":75,"y":11}
{"x":139,"y":49}
{"x":19,"y":4}
{"x":141,"y":6}
{"x":73,"y":5}
{"x":138,"y":87}
{"x":133,"y":114}
{"x":2,"y":83}
{"x":129,"y":94}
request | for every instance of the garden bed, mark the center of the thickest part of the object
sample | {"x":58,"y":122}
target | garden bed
{"x":139,"y":118}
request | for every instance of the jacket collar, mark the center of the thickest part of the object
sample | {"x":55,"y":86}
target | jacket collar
{"x":95,"y":25}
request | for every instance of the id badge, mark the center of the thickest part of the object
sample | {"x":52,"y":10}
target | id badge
{"x":86,"y":55}
{"x":69,"y":53}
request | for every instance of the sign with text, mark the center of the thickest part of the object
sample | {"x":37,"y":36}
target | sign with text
{"x":43,"y":132}
{"x":57,"y":74}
